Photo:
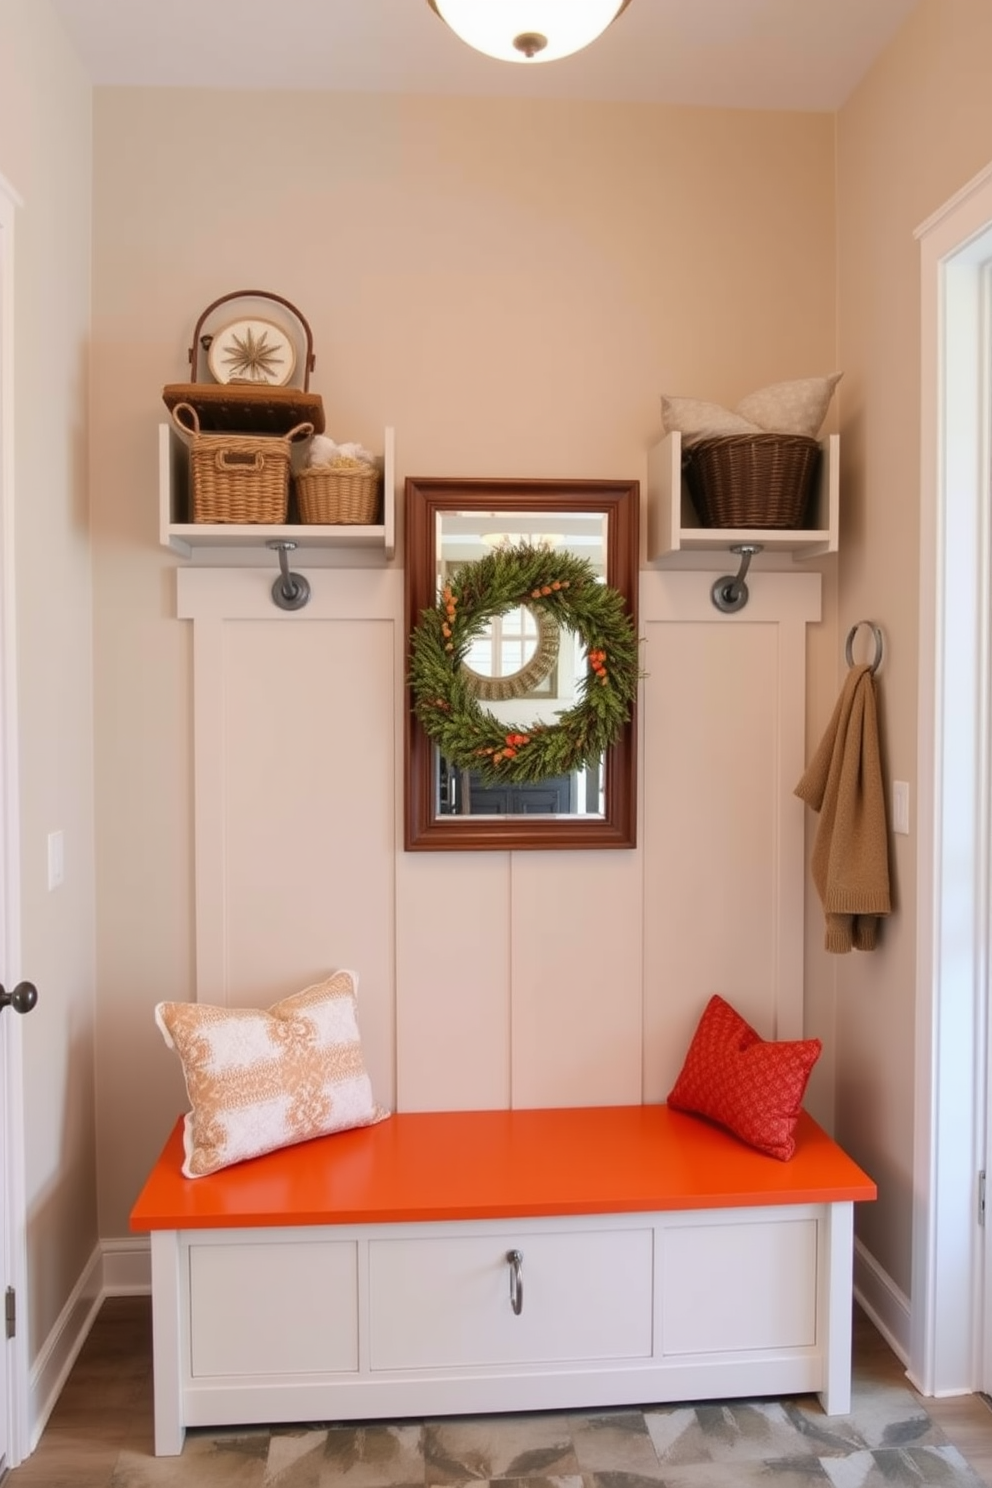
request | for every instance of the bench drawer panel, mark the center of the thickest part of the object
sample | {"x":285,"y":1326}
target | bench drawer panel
{"x":732,"y":1286}
{"x":445,"y":1301}
{"x":282,"y":1308}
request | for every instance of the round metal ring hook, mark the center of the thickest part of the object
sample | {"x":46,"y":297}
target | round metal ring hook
{"x":291,"y":591}
{"x":730,"y":593}
{"x":876,"y":662}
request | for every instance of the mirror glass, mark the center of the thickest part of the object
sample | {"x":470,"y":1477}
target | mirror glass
{"x":524,"y":667}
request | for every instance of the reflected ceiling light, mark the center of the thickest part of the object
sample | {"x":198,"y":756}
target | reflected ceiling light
{"x":528,"y":30}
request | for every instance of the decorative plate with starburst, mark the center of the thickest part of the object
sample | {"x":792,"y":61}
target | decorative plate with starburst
{"x":255,"y":351}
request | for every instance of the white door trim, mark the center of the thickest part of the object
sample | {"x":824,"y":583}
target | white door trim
{"x":953,"y":851}
{"x":15,"y":1207}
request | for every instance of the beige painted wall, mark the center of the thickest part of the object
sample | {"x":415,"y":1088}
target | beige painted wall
{"x":918,"y":128}
{"x":511,"y":285}
{"x":45,"y":153}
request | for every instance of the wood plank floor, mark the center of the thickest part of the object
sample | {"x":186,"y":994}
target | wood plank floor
{"x":100,"y":1433}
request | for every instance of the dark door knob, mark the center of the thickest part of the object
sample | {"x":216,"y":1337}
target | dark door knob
{"x":22,"y":999}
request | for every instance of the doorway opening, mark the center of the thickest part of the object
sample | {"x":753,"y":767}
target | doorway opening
{"x":951,"y":1345}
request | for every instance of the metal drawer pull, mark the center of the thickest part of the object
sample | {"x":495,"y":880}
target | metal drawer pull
{"x":516,"y":1260}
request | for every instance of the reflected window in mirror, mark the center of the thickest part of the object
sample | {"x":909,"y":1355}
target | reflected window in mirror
{"x":524,"y":667}
{"x":516,"y":655}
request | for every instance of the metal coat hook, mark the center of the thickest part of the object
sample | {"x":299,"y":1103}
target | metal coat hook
{"x":730,"y":593}
{"x":291,"y":591}
{"x":873,"y":665}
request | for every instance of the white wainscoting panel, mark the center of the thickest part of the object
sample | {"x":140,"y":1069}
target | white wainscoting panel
{"x":453,"y":927}
{"x":499,"y":979}
{"x":296,"y":771}
{"x":577,"y":978}
{"x":723,"y":705}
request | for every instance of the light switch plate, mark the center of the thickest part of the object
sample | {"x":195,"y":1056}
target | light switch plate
{"x":56,"y":859}
{"x":900,"y":806}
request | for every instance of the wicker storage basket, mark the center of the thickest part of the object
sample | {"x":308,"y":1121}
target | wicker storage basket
{"x":338,"y":494}
{"x":752,"y":480}
{"x":237,"y":477}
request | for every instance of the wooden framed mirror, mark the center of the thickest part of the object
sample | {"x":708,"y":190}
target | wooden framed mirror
{"x":527,"y":673}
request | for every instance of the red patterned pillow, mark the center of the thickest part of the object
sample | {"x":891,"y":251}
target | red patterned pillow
{"x":750,"y":1085}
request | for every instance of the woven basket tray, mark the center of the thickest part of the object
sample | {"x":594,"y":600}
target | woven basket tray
{"x":243,"y":409}
{"x":752,"y":480}
{"x":237,"y":477}
{"x":333,"y":495}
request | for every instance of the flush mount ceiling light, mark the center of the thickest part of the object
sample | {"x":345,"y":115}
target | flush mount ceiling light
{"x":528,"y":30}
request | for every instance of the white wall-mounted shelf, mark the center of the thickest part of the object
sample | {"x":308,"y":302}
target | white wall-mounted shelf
{"x":189,"y":538}
{"x":674,"y":526}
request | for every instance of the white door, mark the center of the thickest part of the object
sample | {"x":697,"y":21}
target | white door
{"x":13,"y":1350}
{"x":21,"y":1000}
{"x":3,"y":1225}
{"x":985,"y":1361}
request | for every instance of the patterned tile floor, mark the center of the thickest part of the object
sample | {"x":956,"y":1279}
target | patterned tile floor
{"x":100,"y":1436}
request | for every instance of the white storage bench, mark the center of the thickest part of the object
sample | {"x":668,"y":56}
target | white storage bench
{"x":465,"y":1262}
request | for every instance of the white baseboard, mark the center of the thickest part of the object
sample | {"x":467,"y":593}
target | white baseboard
{"x":58,"y":1353}
{"x":882,"y":1300}
{"x":117,"y":1268}
{"x":127,"y":1266}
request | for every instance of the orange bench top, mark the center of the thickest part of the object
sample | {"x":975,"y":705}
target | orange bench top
{"x":458,"y":1165}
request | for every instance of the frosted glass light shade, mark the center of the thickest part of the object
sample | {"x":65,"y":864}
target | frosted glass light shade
{"x":528,"y":30}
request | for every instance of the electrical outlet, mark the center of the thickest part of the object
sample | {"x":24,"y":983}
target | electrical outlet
{"x":900,"y":807}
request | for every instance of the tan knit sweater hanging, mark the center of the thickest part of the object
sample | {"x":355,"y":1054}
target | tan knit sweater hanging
{"x":843,"y":783}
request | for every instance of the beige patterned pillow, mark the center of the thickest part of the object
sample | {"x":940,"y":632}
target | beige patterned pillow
{"x":259,"y":1079}
{"x":797,"y":407}
{"x":695,"y":420}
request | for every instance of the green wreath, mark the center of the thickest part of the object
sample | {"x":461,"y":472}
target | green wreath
{"x":556,"y":584}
